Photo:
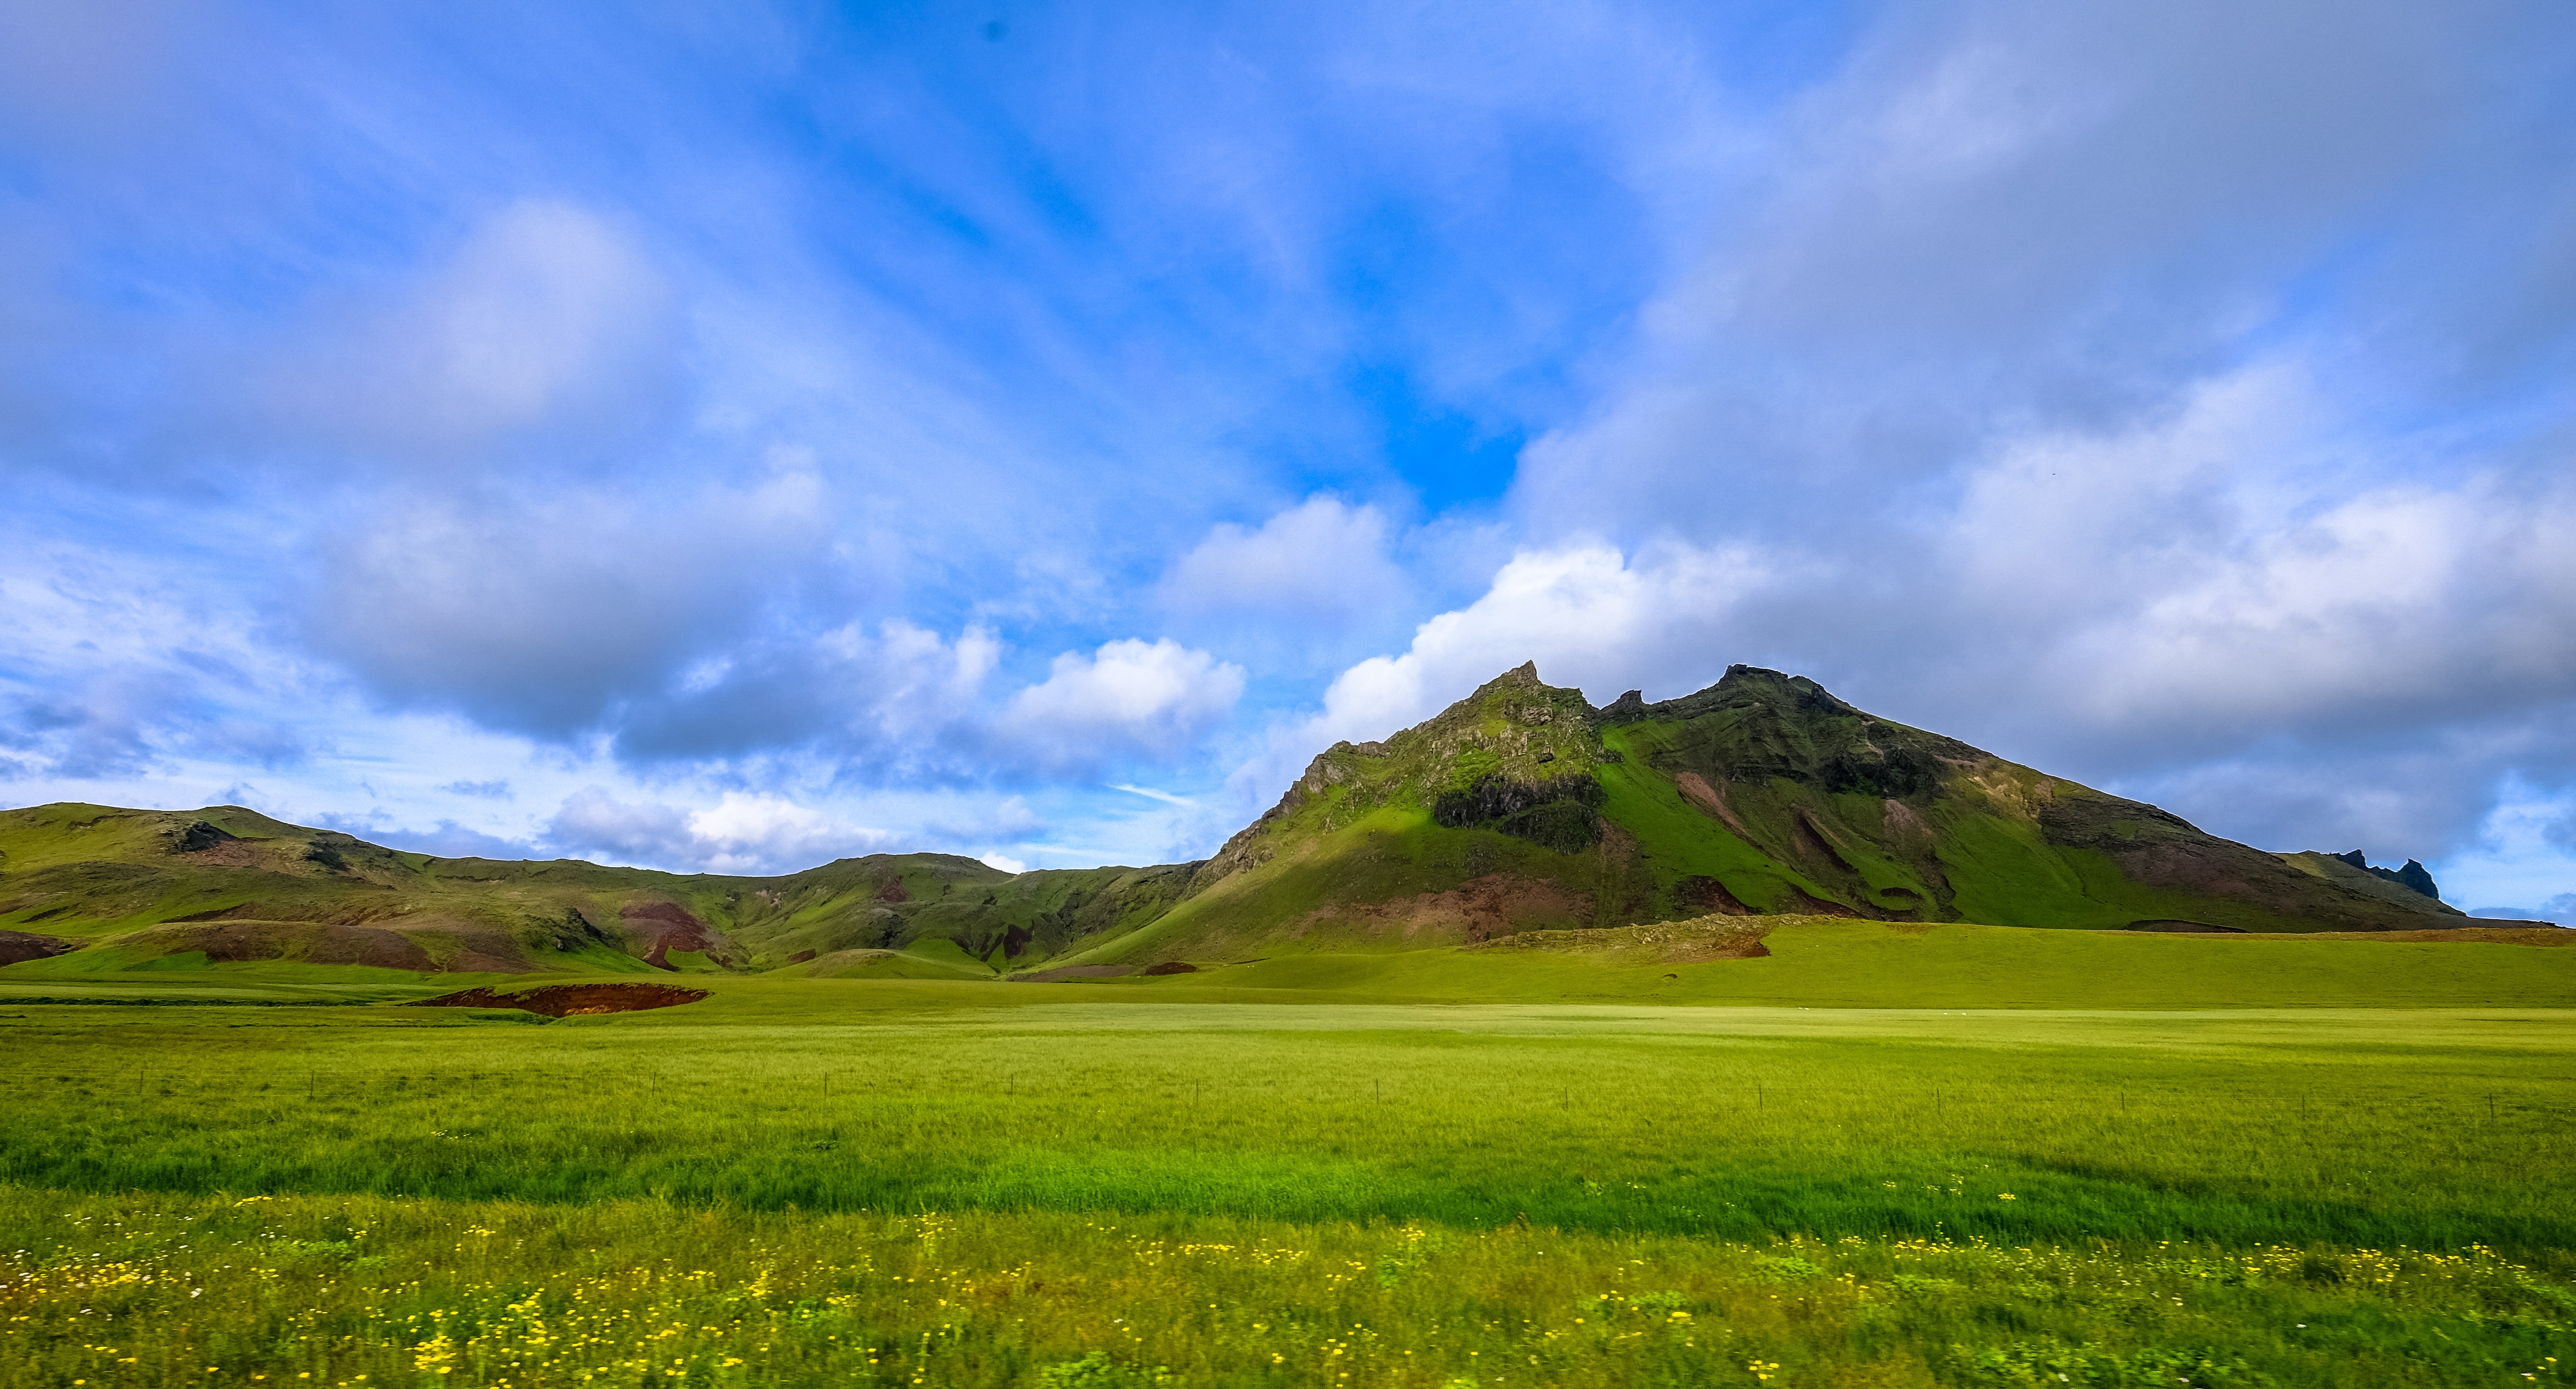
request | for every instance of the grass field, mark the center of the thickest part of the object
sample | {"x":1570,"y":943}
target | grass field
{"x":843,"y":1181}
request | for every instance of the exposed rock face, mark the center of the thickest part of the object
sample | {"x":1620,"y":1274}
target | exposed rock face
{"x":1556,"y":812}
{"x":18,"y":946}
{"x":2411,"y":877}
{"x":1762,"y":794}
{"x":199,"y":837}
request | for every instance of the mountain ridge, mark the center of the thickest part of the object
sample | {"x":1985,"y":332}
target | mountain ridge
{"x":1520,"y":807}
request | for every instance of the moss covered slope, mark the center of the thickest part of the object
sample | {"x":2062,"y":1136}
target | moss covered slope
{"x":87,"y":889}
{"x":1522,"y":807}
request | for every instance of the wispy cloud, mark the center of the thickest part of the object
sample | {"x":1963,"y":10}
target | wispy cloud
{"x":1151,"y":794}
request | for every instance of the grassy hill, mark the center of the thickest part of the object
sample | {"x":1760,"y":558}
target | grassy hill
{"x":1523,"y":808}
{"x":88,"y":890}
{"x":1520,"y":808}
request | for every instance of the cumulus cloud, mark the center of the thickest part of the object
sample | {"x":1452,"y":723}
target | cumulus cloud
{"x":1128,"y":699}
{"x":1323,"y":562}
{"x":1589,"y":615}
{"x":537,"y":614}
{"x":743,"y":833}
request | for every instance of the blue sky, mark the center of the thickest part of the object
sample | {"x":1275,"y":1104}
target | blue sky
{"x":732,"y":437}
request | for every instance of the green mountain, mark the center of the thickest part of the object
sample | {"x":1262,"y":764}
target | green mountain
{"x":1519,"y":808}
{"x":1522,"y":807}
{"x":86,"y":889}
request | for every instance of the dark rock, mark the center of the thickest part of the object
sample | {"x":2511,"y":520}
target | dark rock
{"x":1498,"y":797}
{"x":200,"y":837}
{"x":19,"y":946}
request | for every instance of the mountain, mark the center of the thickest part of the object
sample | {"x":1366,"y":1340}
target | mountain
{"x":1519,"y":808}
{"x":87,"y":889}
{"x":1522,"y":807}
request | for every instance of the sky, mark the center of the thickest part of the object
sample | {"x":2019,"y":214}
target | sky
{"x":730,"y":437}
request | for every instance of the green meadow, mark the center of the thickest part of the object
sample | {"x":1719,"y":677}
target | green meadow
{"x":1307,"y":1171}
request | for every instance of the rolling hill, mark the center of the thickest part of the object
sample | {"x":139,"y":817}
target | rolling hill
{"x":1522,"y":807}
{"x":86,"y":889}
{"x":1519,"y":808}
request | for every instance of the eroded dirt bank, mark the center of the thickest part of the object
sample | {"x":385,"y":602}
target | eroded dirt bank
{"x":572,"y":1000}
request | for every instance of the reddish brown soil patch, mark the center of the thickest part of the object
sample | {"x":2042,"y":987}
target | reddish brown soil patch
{"x":891,"y":890}
{"x":477,"y":949}
{"x":572,"y":1000}
{"x":234,"y":942}
{"x":1905,"y":824}
{"x":800,"y":957}
{"x":1172,"y":967}
{"x":19,"y":946}
{"x":662,"y":927}
{"x":1709,"y":798}
{"x":1479,"y":909}
{"x":357,"y":915}
{"x":233,"y":853}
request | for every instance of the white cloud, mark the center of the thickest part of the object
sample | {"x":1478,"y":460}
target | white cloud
{"x":1322,"y":561}
{"x":742,"y":833}
{"x":1589,"y":615}
{"x":1130,"y":697}
{"x":1004,"y":862}
{"x":1151,"y":794}
{"x":1586,"y":613}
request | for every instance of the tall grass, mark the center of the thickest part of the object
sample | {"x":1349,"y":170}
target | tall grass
{"x":2429,"y":1131}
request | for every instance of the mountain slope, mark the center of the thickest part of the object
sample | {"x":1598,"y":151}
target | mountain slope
{"x":86,"y":889}
{"x":1522,"y":807}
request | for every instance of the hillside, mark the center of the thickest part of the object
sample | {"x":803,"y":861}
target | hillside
{"x":1522,"y":807}
{"x":1519,"y":808}
{"x":86,"y":889}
